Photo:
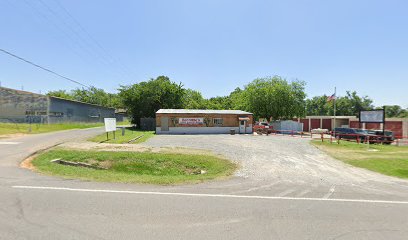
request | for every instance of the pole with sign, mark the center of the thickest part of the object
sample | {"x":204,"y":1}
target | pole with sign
{"x":110,"y":126}
{"x":373,"y":116}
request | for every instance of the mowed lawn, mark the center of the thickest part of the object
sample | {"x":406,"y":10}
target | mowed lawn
{"x":13,"y":128}
{"x":130,"y":134}
{"x":386,"y":159}
{"x":136,"y":167}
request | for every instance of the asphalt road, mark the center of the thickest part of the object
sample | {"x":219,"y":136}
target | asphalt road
{"x":252,"y":206}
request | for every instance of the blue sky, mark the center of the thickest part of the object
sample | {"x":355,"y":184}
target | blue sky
{"x":213,"y":46}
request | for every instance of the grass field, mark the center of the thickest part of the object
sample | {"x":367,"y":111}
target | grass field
{"x":135,"y":167}
{"x":130,"y":133}
{"x":386,"y":159}
{"x":12,"y":128}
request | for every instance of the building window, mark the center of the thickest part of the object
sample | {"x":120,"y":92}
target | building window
{"x":56,"y":114}
{"x":30,"y":112}
{"x":218,"y":121}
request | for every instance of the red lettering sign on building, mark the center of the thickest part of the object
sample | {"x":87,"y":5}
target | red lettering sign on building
{"x":191,"y":121}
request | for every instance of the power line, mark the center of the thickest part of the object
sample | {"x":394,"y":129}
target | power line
{"x":70,"y":34}
{"x":83,"y":41}
{"x":64,"y":35}
{"x":120,"y":63}
{"x":43,"y":68}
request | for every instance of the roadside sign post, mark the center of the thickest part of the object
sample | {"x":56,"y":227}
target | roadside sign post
{"x":383,"y":128}
{"x":373,"y":116}
{"x":110,"y":126}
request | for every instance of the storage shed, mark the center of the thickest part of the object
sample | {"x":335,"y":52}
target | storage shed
{"x":196,"y":121}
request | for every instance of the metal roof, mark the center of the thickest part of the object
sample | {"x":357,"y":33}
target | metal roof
{"x":71,"y":100}
{"x":201,"y":111}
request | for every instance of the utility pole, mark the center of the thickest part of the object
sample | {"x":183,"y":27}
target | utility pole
{"x":334,"y":108}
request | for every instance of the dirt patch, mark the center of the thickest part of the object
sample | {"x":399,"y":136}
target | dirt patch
{"x":27,"y":163}
{"x":93,"y":146}
{"x":85,"y":145}
{"x":105,"y":164}
{"x":182,"y":150}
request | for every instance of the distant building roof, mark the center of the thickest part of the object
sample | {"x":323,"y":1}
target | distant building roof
{"x":19,"y":91}
{"x":202,"y":111}
{"x":71,"y":100}
{"x":10,"y":90}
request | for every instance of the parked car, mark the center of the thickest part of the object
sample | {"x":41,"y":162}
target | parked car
{"x":387,"y":137}
{"x":262,"y":127}
{"x":352,"y":133}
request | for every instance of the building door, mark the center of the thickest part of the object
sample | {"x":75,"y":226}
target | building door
{"x":164,"y":123}
{"x":242,"y":126}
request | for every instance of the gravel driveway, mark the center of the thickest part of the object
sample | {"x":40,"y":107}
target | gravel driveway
{"x":284,"y":162}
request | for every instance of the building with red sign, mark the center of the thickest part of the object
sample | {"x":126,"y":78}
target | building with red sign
{"x":196,"y":121}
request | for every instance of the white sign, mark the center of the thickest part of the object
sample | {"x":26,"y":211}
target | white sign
{"x":191,"y":121}
{"x":375,"y":116}
{"x":110,"y":124}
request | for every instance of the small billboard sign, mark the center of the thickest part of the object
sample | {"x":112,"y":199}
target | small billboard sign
{"x":372,"y":116}
{"x":110,"y":124}
{"x":191,"y":121}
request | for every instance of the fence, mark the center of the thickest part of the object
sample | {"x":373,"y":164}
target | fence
{"x":292,"y":133}
{"x":358,"y":138}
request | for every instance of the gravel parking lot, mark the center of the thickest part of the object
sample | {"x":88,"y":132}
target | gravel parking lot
{"x":285,"y":162}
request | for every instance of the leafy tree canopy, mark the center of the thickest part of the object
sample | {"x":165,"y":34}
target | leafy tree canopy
{"x":274,"y":97}
{"x":145,"y":98}
{"x":265,"y":97}
{"x":349,"y":105}
{"x":395,"y":111}
{"x":92,"y":95}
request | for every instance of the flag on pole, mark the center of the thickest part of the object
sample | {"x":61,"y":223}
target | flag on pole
{"x":331,"y":98}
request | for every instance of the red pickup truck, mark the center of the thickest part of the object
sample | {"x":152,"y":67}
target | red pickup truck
{"x":262,"y":128}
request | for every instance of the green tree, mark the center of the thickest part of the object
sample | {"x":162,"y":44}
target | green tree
{"x":237,"y":99}
{"x":193,"y":99}
{"x":274,"y":97}
{"x":92,"y":95}
{"x":219,"y":103}
{"x":352,"y":104}
{"x":145,"y":98}
{"x":61,"y":94}
{"x":318,"y":106}
{"x":349,"y":105}
{"x":395,"y":111}
{"x":403,"y":113}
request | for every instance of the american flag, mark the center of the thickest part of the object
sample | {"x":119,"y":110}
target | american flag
{"x":332,"y":97}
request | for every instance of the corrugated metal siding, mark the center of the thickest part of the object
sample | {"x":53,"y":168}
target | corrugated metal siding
{"x":62,"y":110}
